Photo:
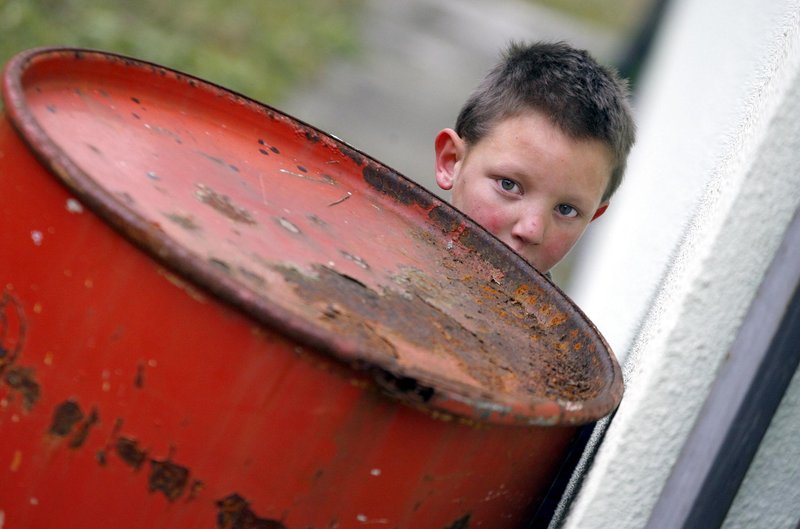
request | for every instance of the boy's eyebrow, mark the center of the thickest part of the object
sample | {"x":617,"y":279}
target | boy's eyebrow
{"x":583,"y":203}
{"x":509,"y":167}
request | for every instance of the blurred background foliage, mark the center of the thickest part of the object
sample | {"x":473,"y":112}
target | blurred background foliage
{"x":260,"y":48}
{"x":257,"y":47}
{"x":623,"y":16}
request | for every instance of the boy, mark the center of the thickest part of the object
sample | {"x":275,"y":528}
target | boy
{"x":538,"y":149}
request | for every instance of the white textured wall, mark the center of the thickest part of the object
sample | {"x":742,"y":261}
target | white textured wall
{"x":713,"y":183}
{"x":770,"y":494}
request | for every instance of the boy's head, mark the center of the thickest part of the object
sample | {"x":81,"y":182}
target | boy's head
{"x":539,"y":148}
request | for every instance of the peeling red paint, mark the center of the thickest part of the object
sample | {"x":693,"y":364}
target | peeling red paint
{"x":130,"y":452}
{"x":235,"y":513}
{"x":65,"y":417}
{"x":168,"y":478}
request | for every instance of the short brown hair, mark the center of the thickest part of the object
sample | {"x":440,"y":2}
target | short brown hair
{"x":583,"y":98}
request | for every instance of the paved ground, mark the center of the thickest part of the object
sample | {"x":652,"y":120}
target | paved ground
{"x":420,"y":60}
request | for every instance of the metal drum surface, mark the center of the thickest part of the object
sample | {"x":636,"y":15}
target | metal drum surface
{"x":213,"y":315}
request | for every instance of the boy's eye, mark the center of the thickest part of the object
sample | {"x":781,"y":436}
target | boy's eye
{"x":508,"y":185}
{"x":566,"y":210}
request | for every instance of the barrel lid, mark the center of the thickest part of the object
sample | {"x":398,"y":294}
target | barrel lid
{"x":313,"y":238}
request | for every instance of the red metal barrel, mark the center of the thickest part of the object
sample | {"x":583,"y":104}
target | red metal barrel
{"x":213,"y":315}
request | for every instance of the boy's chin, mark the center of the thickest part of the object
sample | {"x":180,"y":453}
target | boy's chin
{"x":545,"y":269}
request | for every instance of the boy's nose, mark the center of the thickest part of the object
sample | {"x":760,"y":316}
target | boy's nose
{"x":530,"y":228}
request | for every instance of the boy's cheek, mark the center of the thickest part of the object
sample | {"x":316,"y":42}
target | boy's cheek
{"x":492,"y":223}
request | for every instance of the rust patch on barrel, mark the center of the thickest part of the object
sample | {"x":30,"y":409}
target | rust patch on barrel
{"x":83,"y":429}
{"x":23,"y":381}
{"x":65,"y":417}
{"x":131,"y":454}
{"x":508,"y":342}
{"x":168,"y":478}
{"x":233,"y":512}
{"x":389,"y":183}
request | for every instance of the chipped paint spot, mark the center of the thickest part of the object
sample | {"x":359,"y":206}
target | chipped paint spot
{"x":356,"y":259}
{"x":461,"y":523}
{"x":22,"y":379}
{"x":223,"y":204}
{"x":195,"y":489}
{"x":16,"y":461}
{"x":184,"y":220}
{"x":252,"y":277}
{"x":129,"y":451}
{"x":138,"y":380}
{"x":571,"y":406}
{"x":106,"y":386}
{"x":375,"y":472}
{"x":363,"y":518}
{"x":83,"y":429}
{"x":316,"y":220}
{"x":73,"y":206}
{"x":168,"y":478}
{"x":287,"y":225}
{"x":66,"y":416}
{"x":37,"y":237}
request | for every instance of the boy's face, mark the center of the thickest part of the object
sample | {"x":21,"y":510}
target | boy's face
{"x":528,"y":183}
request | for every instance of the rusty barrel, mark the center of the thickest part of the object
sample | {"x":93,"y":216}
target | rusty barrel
{"x":215,"y":315}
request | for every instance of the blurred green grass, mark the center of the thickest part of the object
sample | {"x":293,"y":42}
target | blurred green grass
{"x":260,"y":48}
{"x":623,"y":16}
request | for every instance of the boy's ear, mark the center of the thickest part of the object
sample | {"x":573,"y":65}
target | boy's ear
{"x":449,"y":153}
{"x":602,"y":209}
